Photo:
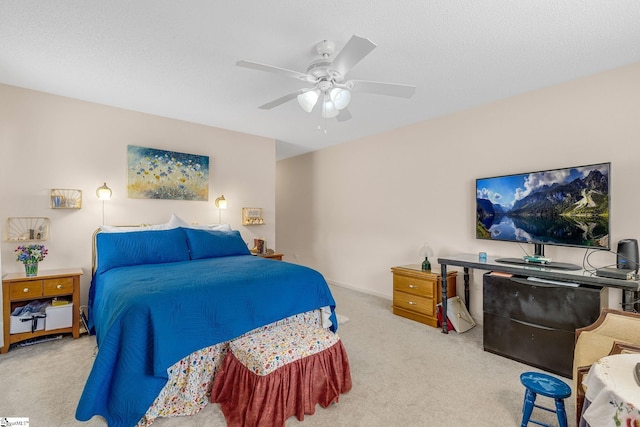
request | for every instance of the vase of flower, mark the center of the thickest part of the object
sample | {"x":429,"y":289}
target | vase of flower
{"x":30,"y":256}
{"x":31,"y":269}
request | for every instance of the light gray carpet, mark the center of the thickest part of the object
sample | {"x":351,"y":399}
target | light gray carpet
{"x":404,"y":374}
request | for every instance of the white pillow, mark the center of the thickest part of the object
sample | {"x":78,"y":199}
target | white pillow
{"x":174,"y":222}
{"x":178,"y":222}
{"x":217,"y":227}
{"x":117,"y":229}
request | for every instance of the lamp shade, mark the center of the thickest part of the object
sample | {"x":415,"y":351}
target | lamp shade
{"x":308,"y":100}
{"x":221,"y":202}
{"x":426,"y":251}
{"x":329,"y":109}
{"x":104,"y":192}
{"x":340,"y":97}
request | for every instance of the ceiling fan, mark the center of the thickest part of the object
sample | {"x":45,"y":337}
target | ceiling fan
{"x":326,"y":77}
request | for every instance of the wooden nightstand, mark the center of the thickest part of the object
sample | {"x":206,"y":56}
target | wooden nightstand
{"x":416,"y":293}
{"x":273,"y":256}
{"x":18,"y":290}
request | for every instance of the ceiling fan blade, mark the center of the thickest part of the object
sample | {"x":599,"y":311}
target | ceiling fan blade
{"x":272,"y":69}
{"x":343,"y":115}
{"x":282,"y":100}
{"x":356,"y":48}
{"x":380,"y":88}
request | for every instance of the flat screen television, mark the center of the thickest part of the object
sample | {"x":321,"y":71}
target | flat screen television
{"x":567,"y":207}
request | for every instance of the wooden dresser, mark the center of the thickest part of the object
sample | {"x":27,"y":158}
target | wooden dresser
{"x":416,"y":293}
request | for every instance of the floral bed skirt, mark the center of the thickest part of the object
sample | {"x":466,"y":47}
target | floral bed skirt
{"x":248,"y":399}
{"x":190,"y":380}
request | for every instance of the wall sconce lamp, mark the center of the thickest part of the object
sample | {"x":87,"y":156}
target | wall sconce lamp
{"x":103,"y":193}
{"x":221,"y":203}
{"x":426,"y":252}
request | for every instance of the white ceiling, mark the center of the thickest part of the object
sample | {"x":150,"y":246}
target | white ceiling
{"x":177,"y":58}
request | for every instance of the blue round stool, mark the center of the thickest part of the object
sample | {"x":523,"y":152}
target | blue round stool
{"x":545,"y":385}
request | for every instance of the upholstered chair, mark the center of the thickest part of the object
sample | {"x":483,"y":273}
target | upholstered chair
{"x":613,"y":332}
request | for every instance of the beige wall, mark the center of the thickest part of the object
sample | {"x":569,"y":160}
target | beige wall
{"x":354,"y":210}
{"x":49,"y":141}
{"x":351,"y":211}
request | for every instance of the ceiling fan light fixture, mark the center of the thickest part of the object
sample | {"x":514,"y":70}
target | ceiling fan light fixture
{"x":329,"y":110}
{"x":340,"y":97}
{"x":326,"y":79}
{"x":308,"y":100}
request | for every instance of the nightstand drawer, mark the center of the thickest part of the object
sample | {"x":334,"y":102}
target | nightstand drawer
{"x":58,"y":286}
{"x":413,"y":285}
{"x":416,"y":293}
{"x":413,"y":303}
{"x":25,"y":290}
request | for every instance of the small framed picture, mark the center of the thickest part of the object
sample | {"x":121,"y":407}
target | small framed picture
{"x":252,"y":216}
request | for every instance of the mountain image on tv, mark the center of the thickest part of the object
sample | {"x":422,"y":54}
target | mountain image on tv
{"x":567,"y":206}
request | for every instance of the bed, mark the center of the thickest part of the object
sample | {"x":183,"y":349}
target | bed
{"x":164,"y":303}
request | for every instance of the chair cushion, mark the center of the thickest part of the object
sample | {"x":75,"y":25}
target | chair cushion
{"x":264,"y":352}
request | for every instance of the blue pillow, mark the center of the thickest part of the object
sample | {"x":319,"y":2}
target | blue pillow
{"x":140,"y":247}
{"x":215,"y":243}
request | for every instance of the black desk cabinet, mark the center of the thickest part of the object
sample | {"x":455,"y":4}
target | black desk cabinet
{"x":535,"y":323}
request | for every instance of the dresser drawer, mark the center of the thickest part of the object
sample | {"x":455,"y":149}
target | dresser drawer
{"x":546,"y":348}
{"x":414,"y":303}
{"x":547,"y":305}
{"x":413,"y":285}
{"x":416,"y":293}
{"x":58,"y":286}
{"x":25,"y":290}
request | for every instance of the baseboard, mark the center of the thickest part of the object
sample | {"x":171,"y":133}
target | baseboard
{"x":358,"y":289}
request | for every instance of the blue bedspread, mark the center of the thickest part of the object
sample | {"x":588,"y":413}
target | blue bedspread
{"x":148,"y":317}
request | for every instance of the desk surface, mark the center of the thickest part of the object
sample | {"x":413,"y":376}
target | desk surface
{"x":581,"y":276}
{"x":612,"y":392}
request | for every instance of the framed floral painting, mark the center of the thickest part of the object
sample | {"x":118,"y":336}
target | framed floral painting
{"x":160,"y":174}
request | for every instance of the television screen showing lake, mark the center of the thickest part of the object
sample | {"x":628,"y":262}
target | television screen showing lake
{"x":567,"y":206}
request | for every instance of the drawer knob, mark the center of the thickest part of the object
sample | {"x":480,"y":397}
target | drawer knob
{"x":412,"y":303}
{"x":25,"y":290}
{"x":59,"y":287}
{"x":413,"y":286}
